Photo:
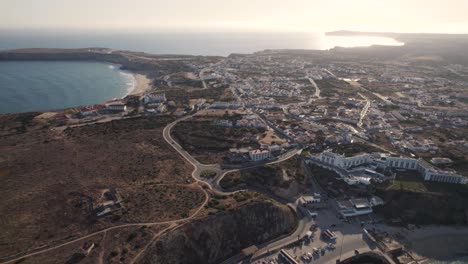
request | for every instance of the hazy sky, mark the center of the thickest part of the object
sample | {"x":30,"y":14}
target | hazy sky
{"x":240,"y":15}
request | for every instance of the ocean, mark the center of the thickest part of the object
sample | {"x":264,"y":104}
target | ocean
{"x":454,"y":260}
{"x":193,"y":43}
{"x":30,"y":86}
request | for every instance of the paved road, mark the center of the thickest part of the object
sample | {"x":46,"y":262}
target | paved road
{"x":364,"y":110}
{"x":329,"y":72}
{"x":213,"y":184}
{"x":317,"y":89}
{"x":303,"y":227}
{"x":344,"y":249}
{"x":198,"y":168}
{"x":282,"y":158}
{"x":304,"y":223}
{"x":205,"y":86}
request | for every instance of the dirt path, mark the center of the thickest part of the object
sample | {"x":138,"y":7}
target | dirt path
{"x":41,"y":251}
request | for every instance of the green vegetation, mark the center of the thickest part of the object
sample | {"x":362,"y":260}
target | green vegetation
{"x":219,"y":197}
{"x":243,"y":196}
{"x":262,"y":176}
{"x":352,"y":149}
{"x":412,"y":181}
{"x":209,"y":143}
{"x":132,"y":236}
{"x":412,"y":200}
{"x":215,"y":204}
{"x":208,"y":173}
{"x":278,"y":175}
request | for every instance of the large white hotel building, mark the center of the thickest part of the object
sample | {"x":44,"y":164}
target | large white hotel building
{"x":429,"y":172}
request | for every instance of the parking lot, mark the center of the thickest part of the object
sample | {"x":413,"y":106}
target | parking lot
{"x":321,"y":249}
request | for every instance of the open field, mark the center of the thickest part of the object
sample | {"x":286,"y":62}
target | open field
{"x":183,"y":96}
{"x":52,"y":180}
{"x":287,"y":175}
{"x":333,"y":86}
{"x":413,"y":182}
{"x":269,"y":137}
{"x":410,"y":199}
{"x":115,"y":246}
{"x":209,"y":143}
{"x":221,"y":203}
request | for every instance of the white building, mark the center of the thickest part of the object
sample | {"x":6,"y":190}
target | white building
{"x":352,"y":180}
{"x":154,"y":98}
{"x":310,"y":199}
{"x":354,"y":207}
{"x":429,"y":172}
{"x":116,"y":106}
{"x":401,"y":163}
{"x":258,"y":154}
{"x":344,"y":162}
{"x":342,"y":165}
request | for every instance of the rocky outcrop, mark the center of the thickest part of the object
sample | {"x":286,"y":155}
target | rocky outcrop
{"x":218,"y":237}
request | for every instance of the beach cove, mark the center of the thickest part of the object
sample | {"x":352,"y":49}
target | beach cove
{"x":49,"y":85}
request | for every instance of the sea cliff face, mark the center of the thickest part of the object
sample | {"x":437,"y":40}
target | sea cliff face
{"x":61,"y":55}
{"x":75,"y":55}
{"x":216,"y":238}
{"x":150,"y":65}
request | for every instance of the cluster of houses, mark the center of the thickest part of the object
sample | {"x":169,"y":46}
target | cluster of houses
{"x":110,"y":107}
{"x":346,"y":207}
{"x":225,"y":105}
{"x":245,"y":155}
{"x":153,"y":104}
{"x":247,"y":121}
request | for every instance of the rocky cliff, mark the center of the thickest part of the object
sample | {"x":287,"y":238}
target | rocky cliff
{"x":151,"y":65}
{"x":75,"y":55}
{"x":218,"y":237}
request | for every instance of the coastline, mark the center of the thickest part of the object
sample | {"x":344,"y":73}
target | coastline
{"x":426,"y":242}
{"x":141,"y":84}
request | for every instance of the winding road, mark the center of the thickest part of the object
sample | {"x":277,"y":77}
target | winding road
{"x":213,"y":185}
{"x":364,"y":110}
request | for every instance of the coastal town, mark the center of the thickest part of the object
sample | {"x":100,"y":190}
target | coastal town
{"x":364,"y":152}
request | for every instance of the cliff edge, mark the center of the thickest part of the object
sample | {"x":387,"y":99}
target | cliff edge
{"x":216,"y":238}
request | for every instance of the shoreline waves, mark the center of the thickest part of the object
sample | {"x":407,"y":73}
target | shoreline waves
{"x":140,"y":84}
{"x":427,"y":241}
{"x":53,"y":85}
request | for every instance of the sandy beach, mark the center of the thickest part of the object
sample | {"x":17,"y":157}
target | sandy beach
{"x":142,"y":84}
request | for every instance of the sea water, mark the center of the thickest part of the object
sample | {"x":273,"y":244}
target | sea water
{"x":187,"y":43}
{"x":37,"y":85}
